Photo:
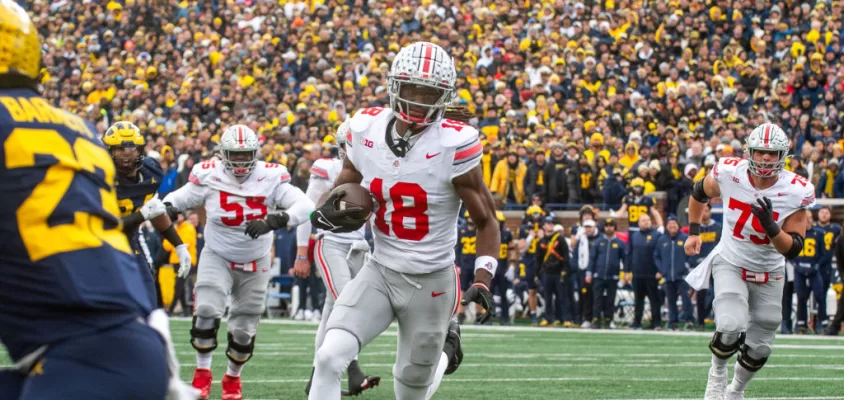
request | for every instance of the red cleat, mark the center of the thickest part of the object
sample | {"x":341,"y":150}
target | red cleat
{"x":202,"y":380}
{"x":231,"y":388}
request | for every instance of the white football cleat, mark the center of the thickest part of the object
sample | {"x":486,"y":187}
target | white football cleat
{"x":317,"y":316}
{"x":733,"y":394}
{"x":716,"y":385}
{"x":300,"y":315}
{"x":309,"y":315}
{"x":586,"y":325}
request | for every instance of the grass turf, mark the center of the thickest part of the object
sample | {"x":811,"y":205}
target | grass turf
{"x":541,"y":363}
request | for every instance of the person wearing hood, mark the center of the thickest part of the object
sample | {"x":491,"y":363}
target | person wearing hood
{"x":640,"y":258}
{"x":631,"y":155}
{"x":672,"y":262}
{"x":508,"y":180}
{"x":581,"y":246}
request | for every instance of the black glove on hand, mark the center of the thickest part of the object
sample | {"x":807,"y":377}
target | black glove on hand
{"x":329,"y":218}
{"x":172,"y":212}
{"x":259,"y":227}
{"x":764,"y":212}
{"x":479,"y":293}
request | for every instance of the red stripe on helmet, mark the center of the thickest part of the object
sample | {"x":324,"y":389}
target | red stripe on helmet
{"x":426,"y":66}
{"x":767,"y":134}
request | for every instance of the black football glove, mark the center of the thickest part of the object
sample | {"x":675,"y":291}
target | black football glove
{"x":330,"y":218}
{"x":764,"y":212}
{"x":172,"y":212}
{"x":479,"y":293}
{"x":259,"y":227}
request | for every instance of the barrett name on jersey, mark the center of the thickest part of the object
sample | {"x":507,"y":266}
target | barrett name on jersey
{"x":744,"y":243}
{"x":415,"y":225}
{"x":229,"y":204}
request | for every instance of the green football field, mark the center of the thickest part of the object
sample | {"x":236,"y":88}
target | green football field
{"x":542,"y":363}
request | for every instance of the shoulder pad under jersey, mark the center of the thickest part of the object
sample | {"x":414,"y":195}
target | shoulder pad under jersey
{"x":322,"y":169}
{"x":456,"y":133}
{"x":272,"y":172}
{"x":203,"y":171}
{"x":365,"y":118}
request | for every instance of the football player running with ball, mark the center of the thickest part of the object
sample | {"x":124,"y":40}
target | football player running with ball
{"x":764,"y":220}
{"x":240,"y":195}
{"x":419,"y":166}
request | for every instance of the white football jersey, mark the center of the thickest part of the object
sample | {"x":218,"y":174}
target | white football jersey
{"x":324,"y":173}
{"x":230,"y":204}
{"x":415,"y":223}
{"x":743,"y":240}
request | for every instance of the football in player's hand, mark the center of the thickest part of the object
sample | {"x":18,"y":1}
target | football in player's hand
{"x":356,"y":197}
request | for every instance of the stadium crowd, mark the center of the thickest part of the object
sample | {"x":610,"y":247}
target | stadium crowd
{"x":577,"y":101}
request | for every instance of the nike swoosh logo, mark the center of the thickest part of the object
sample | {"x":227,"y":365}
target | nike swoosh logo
{"x":261,"y":179}
{"x":779,"y":278}
{"x":430,"y":156}
{"x":325,"y":222}
{"x":435,"y":294}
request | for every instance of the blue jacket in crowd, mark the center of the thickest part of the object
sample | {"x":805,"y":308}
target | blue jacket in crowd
{"x":605,"y":257}
{"x":670,"y":257}
{"x":640,"y":257}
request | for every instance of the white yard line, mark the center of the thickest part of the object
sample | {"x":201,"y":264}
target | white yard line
{"x":498,"y":328}
{"x":752,"y":398}
{"x":584,"y":379}
{"x":569,"y":365}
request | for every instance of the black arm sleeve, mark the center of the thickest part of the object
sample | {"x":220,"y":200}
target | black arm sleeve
{"x":699,"y":193}
{"x":131,"y":223}
{"x":172,"y":236}
{"x":796,"y":246}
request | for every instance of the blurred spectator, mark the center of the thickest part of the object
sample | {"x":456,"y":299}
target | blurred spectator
{"x":710,"y":236}
{"x":643,"y":267}
{"x":672,"y":263}
{"x":605,"y":260}
{"x":508,"y":180}
{"x":554,"y":251}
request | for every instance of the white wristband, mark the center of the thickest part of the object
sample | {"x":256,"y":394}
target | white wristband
{"x":486,"y":263}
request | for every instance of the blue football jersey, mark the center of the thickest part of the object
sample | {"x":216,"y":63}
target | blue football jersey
{"x":831,"y":231}
{"x":813,"y":250}
{"x":132,"y":194}
{"x":67,"y":268}
{"x":504,"y":251}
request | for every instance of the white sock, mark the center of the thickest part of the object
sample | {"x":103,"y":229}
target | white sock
{"x":438,"y":376}
{"x":333,"y":358}
{"x":203,"y":360}
{"x":233,"y":369}
{"x":741,"y":377}
{"x":719,"y":363}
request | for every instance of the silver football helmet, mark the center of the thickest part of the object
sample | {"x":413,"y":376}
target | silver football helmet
{"x":239,"y":147}
{"x":770,"y":138}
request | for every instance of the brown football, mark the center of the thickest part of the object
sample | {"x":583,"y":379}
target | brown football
{"x":356,"y":197}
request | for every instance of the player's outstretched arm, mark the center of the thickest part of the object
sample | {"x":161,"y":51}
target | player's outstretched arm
{"x":186,"y":197}
{"x":702,"y":191}
{"x":476,"y":196}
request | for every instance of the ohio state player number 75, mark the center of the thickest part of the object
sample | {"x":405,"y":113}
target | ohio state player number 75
{"x":745,"y":210}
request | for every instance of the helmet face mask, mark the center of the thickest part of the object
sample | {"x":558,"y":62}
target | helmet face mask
{"x":421,"y":83}
{"x":125,"y":145}
{"x":239,"y":150}
{"x":418,"y":104}
{"x":767,"y":140}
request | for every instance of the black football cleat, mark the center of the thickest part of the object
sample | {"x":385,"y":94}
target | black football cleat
{"x":453,"y":347}
{"x":358,"y":381}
